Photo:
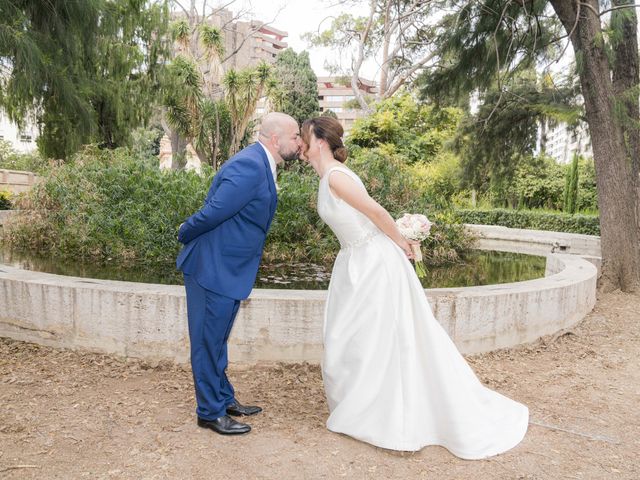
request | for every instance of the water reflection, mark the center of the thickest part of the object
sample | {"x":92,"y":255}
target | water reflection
{"x":479,"y":268}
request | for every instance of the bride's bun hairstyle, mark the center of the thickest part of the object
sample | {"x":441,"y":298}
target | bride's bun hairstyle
{"x":328,"y":129}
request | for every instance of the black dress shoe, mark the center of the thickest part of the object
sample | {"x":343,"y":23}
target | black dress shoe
{"x":224,"y":425}
{"x":237,"y":409}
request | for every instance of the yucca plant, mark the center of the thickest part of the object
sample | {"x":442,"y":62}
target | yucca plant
{"x":243,"y":90}
{"x":212,"y":42}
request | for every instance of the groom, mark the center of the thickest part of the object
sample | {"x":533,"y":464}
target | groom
{"x":223,"y":244}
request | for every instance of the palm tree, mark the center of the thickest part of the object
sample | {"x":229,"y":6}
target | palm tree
{"x":190,"y":98}
{"x":243,"y":91}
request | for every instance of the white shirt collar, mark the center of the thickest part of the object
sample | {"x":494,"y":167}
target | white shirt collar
{"x":272,"y":162}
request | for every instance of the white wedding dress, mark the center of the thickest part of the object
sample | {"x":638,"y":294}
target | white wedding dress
{"x":392,"y":376}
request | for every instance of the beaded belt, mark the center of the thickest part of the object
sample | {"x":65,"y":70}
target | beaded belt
{"x":361,"y":241}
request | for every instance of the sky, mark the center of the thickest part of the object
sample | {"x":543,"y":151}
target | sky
{"x":297,"y":17}
{"x":301,"y":16}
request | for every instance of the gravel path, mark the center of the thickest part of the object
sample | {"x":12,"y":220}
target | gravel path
{"x":75,"y":415}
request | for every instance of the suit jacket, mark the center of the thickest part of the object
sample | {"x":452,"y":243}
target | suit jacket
{"x":223,"y":241}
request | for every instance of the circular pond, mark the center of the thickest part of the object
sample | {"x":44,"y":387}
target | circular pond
{"x":479,"y":268}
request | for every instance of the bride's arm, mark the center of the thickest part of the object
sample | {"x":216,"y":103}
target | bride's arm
{"x":348,"y":190}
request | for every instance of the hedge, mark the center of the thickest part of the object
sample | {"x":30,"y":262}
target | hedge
{"x":531,"y":219}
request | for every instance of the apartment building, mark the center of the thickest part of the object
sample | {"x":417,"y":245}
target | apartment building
{"x":563,"y":142}
{"x":252,"y":41}
{"x":335,"y":92}
{"x":246,"y":43}
{"x":23,"y":140}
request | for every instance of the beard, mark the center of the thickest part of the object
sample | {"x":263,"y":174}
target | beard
{"x":289,"y":156}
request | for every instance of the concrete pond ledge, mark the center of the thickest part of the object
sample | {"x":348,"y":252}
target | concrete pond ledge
{"x":150,"y":321}
{"x":534,"y":242}
{"x":17,"y":181}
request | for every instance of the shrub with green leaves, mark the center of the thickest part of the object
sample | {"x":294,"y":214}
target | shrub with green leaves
{"x":108,"y":205}
{"x":400,"y":189}
{"x":117,"y":206}
{"x":418,"y":132}
{"x":5,"y":200}
{"x":26,"y":162}
{"x":298,"y":233}
{"x":531,"y":219}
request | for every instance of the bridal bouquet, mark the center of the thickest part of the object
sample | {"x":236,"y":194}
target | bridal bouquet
{"x":415,"y":226}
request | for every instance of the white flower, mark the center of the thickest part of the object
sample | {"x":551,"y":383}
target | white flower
{"x":414,"y":226}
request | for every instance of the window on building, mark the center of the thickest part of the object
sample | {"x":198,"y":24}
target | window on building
{"x":25,"y":138}
{"x":335,"y":109}
{"x":320,"y":97}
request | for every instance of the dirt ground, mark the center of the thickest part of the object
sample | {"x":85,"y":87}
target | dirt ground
{"x":76,"y":415}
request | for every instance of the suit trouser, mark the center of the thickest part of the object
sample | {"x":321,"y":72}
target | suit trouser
{"x":211,"y":317}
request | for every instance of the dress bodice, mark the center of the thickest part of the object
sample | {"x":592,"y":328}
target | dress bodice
{"x":350,"y":226}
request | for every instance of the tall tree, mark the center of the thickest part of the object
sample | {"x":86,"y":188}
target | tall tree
{"x":607,"y":87}
{"x":488,"y":39}
{"x":296,"y":86}
{"x":194,"y":110}
{"x":571,"y":186}
{"x":243,"y":90}
{"x":198,"y":110}
{"x":129,"y":55}
{"x":86,"y":71}
{"x":395,"y":33}
{"x":503,"y":131}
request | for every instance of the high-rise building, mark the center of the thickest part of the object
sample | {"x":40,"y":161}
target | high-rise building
{"x":336,"y":94}
{"x":562,"y":142}
{"x":246,"y":43}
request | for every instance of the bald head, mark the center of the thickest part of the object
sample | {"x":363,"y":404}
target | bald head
{"x":280,"y":134}
{"x":275,"y":123}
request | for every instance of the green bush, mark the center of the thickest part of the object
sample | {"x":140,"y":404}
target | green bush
{"x":400,"y":189}
{"x":108,"y":206}
{"x":418,"y":132}
{"x":538,"y":183}
{"x":441,"y":178}
{"x":531,"y":219}
{"x":117,"y":207}
{"x":5,"y":200}
{"x":587,"y":190}
{"x":298,"y":233}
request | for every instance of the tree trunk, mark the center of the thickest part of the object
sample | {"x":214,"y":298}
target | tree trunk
{"x":626,"y":76}
{"x":618,"y":199}
{"x":384,"y":68}
{"x":357,"y":64}
{"x":216,"y":141}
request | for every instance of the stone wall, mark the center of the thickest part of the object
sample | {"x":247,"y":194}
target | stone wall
{"x":15,"y":181}
{"x":149,"y":321}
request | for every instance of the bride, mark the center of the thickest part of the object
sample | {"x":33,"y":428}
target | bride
{"x":392,"y":376}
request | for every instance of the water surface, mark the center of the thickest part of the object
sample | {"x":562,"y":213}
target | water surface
{"x":479,"y":268}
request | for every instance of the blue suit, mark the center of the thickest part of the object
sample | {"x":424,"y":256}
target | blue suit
{"x":223,"y":245}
